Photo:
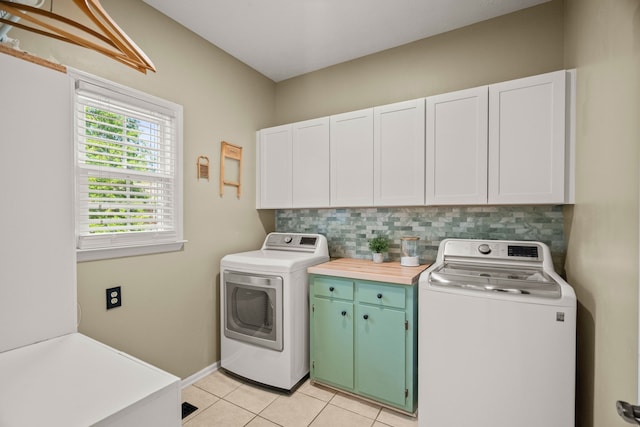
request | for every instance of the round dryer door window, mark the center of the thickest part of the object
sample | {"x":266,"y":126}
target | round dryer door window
{"x":253,"y":309}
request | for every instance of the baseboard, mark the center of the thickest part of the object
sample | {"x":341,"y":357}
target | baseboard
{"x":200,"y":374}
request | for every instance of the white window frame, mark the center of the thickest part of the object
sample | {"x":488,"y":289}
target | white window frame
{"x":91,"y":247}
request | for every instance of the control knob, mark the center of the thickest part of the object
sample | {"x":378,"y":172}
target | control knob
{"x":484,"y":249}
{"x":287,"y":239}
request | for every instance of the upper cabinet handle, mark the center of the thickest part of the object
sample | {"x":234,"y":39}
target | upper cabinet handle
{"x":331,"y":289}
{"x":379,"y":296}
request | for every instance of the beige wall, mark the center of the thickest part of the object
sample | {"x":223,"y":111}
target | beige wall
{"x":602,"y":40}
{"x":169,"y":315}
{"x":515,"y":45}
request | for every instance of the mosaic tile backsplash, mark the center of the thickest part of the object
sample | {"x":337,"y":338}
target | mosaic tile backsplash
{"x":348,"y":230}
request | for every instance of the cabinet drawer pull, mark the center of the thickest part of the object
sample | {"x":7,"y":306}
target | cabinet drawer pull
{"x":379,"y":296}
{"x":331,"y":289}
{"x":344,"y":313}
{"x":365,"y":317}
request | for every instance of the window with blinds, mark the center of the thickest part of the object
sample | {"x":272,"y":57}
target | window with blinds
{"x":128,"y":170}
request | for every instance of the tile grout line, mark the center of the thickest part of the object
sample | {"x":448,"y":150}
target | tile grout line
{"x":319,"y":412}
{"x":307,"y":395}
{"x":357,"y":413}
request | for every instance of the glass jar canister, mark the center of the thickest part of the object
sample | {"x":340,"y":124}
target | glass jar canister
{"x":409,"y":251}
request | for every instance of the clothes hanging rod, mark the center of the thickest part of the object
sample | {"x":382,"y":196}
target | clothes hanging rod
{"x":109,"y":40}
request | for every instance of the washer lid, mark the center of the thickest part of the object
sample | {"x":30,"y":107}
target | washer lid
{"x":272,"y":260}
{"x":521,"y":281}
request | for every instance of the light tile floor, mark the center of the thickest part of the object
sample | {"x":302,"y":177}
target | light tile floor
{"x":225,"y":401}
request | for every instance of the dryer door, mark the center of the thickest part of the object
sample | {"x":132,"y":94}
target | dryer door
{"x":253,"y":309}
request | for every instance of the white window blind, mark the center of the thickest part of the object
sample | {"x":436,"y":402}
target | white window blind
{"x":128,"y":168}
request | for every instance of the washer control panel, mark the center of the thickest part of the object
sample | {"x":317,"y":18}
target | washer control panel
{"x":494,"y":249}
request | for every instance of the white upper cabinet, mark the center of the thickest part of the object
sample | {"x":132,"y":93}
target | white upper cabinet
{"x":311,"y":163}
{"x":274,"y":175}
{"x":527,"y":140}
{"x":398,"y":154}
{"x":456,"y":141}
{"x":352,"y":158}
{"x":506,"y":143}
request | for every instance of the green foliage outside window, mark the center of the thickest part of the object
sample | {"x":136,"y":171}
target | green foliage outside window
{"x":121,"y":142}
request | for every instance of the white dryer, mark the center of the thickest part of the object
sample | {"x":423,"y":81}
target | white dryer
{"x":496,"y":337}
{"x":264,"y":298}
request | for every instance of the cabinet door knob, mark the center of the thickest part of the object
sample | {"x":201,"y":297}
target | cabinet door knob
{"x":379,"y":296}
{"x":365,"y":317}
{"x":344,"y":313}
{"x":331,"y":289}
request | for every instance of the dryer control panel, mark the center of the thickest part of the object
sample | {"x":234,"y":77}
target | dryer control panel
{"x":292,"y":241}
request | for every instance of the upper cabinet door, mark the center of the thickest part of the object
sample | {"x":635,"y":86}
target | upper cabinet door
{"x":398,"y":153}
{"x":527,"y":140}
{"x":274,"y":168}
{"x":456,"y":160}
{"x":311,"y":164}
{"x":352,"y":158}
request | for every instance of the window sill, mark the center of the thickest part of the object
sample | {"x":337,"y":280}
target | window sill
{"x":83,"y":255}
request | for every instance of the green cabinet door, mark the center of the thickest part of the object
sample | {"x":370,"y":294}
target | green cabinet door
{"x":332,"y":342}
{"x":380,"y":357}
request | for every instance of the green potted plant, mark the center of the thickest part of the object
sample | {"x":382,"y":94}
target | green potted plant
{"x":379,"y":245}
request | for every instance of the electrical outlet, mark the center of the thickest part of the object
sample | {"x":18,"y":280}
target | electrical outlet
{"x":114,"y":297}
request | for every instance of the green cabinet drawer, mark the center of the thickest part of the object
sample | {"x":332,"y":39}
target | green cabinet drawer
{"x":382,"y":295}
{"x":332,"y":287}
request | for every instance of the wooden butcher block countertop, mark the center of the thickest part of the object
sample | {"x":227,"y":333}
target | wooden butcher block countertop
{"x":362,"y":269}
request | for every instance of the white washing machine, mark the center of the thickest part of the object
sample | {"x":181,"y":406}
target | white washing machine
{"x":496,"y":338}
{"x":264,"y":309}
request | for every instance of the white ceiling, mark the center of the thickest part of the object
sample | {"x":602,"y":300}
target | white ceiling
{"x":287,"y":38}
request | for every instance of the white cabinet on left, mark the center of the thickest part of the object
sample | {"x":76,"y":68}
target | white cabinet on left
{"x":293,"y":165}
{"x":45,"y":364}
{"x":274,"y":175}
{"x":36,"y":214}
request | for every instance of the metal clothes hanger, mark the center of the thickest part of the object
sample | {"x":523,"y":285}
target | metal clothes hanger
{"x":110,"y":40}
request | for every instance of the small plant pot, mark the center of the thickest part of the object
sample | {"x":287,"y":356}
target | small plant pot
{"x":378,"y":257}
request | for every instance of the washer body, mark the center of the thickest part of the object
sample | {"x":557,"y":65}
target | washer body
{"x":264,"y":308}
{"x":496,"y":338}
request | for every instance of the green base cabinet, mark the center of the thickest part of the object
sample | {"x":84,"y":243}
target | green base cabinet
{"x":363,"y":339}
{"x":333,"y":341}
